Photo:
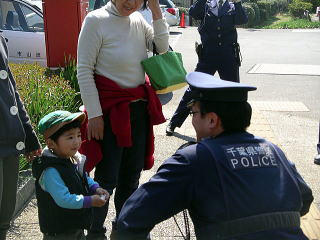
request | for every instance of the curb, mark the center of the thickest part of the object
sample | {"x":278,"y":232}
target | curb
{"x":24,"y":195}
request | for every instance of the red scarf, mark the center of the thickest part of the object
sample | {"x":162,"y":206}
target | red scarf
{"x":115,"y":102}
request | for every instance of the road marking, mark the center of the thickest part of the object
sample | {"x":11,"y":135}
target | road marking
{"x":285,"y":69}
{"x":279,"y":106}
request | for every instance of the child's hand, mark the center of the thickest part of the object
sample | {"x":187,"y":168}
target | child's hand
{"x":101,"y":191}
{"x":97,"y":201}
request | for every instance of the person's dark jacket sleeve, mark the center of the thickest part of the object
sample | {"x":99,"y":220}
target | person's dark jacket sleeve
{"x":305,"y":190}
{"x":306,"y":193}
{"x":197,"y":10}
{"x":167,"y":193}
{"x":241,"y":16}
{"x":32,"y":142}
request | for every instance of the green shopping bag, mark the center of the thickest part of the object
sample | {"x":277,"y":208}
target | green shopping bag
{"x":165,"y":71}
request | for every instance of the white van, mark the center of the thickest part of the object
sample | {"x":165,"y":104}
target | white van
{"x":21,"y":23}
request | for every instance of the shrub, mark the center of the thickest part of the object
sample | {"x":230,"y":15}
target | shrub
{"x":268,"y":8}
{"x":251,"y":14}
{"x":297,"y":8}
{"x":249,"y":1}
{"x":274,"y":8}
{"x":266,"y":5}
{"x":265,"y":9}
{"x":69,"y":72}
{"x":183,"y":10}
{"x":42,"y":95}
{"x":264,"y":15}
{"x":182,"y":3}
{"x":315,"y":4}
{"x":283,"y":5}
{"x":297,"y":23}
{"x":256,"y":9}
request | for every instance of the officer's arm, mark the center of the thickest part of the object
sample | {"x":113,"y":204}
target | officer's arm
{"x":168,"y":192}
{"x":197,"y":10}
{"x":306,"y":193}
{"x":241,"y":16}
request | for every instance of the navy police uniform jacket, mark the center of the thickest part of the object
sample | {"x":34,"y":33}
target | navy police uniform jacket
{"x":218,"y":32}
{"x":229,"y":184}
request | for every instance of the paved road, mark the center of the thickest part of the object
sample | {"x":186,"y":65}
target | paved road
{"x":284,"y":123}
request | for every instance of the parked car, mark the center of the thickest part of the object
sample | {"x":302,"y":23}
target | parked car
{"x":23,"y":28}
{"x":95,"y":4}
{"x":37,"y":3}
{"x":171,"y":12}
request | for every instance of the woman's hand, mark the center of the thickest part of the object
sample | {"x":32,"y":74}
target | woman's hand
{"x":95,"y":128}
{"x":155,"y":9}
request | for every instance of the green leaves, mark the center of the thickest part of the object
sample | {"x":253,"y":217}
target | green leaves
{"x":297,"y":8}
{"x":69,"y":72}
{"x":294,"y":23}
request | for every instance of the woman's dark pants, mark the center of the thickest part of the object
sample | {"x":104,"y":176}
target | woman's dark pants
{"x":120,"y":167}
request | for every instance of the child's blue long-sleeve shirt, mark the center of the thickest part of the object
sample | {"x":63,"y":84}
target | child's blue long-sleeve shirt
{"x":51,"y":182}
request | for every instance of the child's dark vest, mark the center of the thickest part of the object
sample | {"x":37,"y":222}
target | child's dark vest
{"x":52,"y":218}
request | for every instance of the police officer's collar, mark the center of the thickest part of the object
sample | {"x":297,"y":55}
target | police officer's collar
{"x":224,"y":133}
{"x":206,"y":87}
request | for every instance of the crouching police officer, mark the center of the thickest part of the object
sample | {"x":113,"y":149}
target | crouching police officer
{"x":235,"y":185}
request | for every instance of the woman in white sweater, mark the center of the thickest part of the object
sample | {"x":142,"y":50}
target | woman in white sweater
{"x":119,"y":103}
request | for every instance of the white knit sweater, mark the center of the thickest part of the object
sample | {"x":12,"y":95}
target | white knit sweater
{"x":113,"y":46}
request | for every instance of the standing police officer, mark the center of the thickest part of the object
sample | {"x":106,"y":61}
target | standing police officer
{"x":235,"y":185}
{"x":219,"y":50}
{"x":317,"y":157}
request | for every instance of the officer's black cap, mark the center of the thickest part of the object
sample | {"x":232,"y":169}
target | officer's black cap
{"x":206,"y":87}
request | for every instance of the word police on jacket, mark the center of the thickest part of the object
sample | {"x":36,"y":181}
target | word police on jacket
{"x":249,"y":156}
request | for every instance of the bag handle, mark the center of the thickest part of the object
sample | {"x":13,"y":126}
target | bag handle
{"x":154,"y":50}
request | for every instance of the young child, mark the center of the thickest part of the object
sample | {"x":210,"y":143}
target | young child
{"x":63,"y":189}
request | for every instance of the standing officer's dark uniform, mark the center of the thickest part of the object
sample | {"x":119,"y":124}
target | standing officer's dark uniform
{"x":317,"y":157}
{"x":220,"y":49}
{"x":235,"y":186}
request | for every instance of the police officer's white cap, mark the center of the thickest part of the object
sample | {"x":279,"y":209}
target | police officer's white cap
{"x":206,"y":87}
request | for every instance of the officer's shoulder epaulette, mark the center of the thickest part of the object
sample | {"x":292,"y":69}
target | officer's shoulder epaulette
{"x":187,"y":144}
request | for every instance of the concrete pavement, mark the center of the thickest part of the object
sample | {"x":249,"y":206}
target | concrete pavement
{"x":279,"y":115}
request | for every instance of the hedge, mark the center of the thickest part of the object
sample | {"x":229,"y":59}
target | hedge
{"x":260,"y":10}
{"x":315,"y":4}
{"x":251,"y":15}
